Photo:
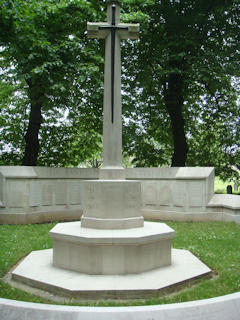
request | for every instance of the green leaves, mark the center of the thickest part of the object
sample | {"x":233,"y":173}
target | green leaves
{"x":46,"y":46}
{"x":194,"y":39}
{"x":198,"y":41}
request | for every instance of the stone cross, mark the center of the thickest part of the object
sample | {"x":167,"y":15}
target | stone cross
{"x":112,"y":31}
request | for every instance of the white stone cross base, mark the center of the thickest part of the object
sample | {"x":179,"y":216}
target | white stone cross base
{"x":93,"y":251}
{"x":112,"y":204}
{"x":37,"y":270}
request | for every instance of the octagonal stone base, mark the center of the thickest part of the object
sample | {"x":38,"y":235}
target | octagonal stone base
{"x":37,"y":270}
{"x":111,"y":252}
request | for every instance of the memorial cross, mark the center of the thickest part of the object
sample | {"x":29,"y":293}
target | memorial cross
{"x":112,"y":31}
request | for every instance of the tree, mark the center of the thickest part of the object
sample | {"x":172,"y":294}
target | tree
{"x":46,"y":43}
{"x":180,"y":80}
{"x":13,"y":124}
{"x":188,"y":50}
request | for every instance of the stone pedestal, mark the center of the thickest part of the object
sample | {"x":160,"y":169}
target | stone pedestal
{"x":110,"y":204}
{"x":110,"y":252}
{"x":112,"y":237}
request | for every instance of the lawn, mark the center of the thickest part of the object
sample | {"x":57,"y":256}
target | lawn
{"x":215,"y":243}
{"x":221,"y":186}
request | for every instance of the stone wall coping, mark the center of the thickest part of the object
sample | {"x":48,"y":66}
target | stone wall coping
{"x":230,"y":201}
{"x":192,"y":173}
{"x":220,"y":308}
{"x":48,"y":172}
{"x":169,"y":173}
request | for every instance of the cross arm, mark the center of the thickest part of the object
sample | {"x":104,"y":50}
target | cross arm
{"x":94,"y":31}
{"x":129,"y":31}
{"x":101,"y":30}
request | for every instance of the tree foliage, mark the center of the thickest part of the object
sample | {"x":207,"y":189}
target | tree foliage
{"x":183,"y":83}
{"x":46,"y":44}
{"x":180,"y":81}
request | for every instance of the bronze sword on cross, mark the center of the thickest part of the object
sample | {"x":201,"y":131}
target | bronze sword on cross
{"x":113,"y":31}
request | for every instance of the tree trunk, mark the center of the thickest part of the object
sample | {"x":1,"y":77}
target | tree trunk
{"x":31,"y":138}
{"x":174,"y":103}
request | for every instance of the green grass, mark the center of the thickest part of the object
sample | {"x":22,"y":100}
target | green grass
{"x":215,"y":243}
{"x":221,"y":186}
{"x":16,"y":242}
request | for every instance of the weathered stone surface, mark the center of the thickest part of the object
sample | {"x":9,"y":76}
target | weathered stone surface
{"x":112,"y":204}
{"x":219,"y":308}
{"x":38,"y":271}
{"x":24,"y":203}
{"x":229,"y":201}
{"x":17,"y":193}
{"x":111,"y":251}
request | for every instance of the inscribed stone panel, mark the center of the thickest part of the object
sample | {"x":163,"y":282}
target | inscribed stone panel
{"x":61,"y":192}
{"x":47,"y":193}
{"x":35,"y":193}
{"x":2,"y":186}
{"x":196,"y":191}
{"x":132,"y":196}
{"x":75,"y":192}
{"x":210,"y":186}
{"x":92,"y":198}
{"x":17,"y":194}
{"x":149,"y":193}
{"x":111,"y":194}
{"x":179,"y":193}
{"x":165,"y":194}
